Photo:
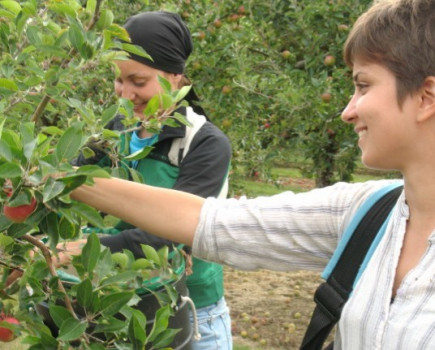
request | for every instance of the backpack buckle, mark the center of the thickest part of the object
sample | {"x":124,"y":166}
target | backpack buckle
{"x":329,"y":301}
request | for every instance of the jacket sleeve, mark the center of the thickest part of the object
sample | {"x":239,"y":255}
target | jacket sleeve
{"x":202,"y":172}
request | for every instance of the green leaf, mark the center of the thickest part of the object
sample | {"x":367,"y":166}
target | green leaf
{"x":90,"y":6}
{"x":5,"y":151}
{"x":119,"y":32}
{"x":136,"y":334}
{"x":69,"y":143}
{"x":161,"y":322}
{"x":91,"y":253}
{"x":76,"y":36}
{"x":28,"y":141}
{"x":153,"y":105}
{"x":49,"y":225}
{"x":181,"y":94}
{"x":121,"y":277}
{"x":108,"y":114}
{"x":136,"y":176}
{"x":18,"y":230}
{"x":93,"y":171}
{"x":90,"y":214}
{"x":120,"y":173}
{"x":72,"y":182}
{"x":142,"y":153}
{"x":8,"y":84}
{"x":84,"y":293}
{"x":72,"y":329}
{"x":12,"y":6}
{"x":165,"y":338}
{"x":165,"y":84}
{"x":9,"y":170}
{"x":63,"y":9}
{"x":32,"y":33}
{"x":181,"y":118}
{"x":52,"y":188}
{"x":151,"y":254}
{"x":136,"y":50}
{"x":86,"y":50}
{"x":59,"y":314}
{"x":111,"y":304}
{"x":105,"y":20}
{"x":166,"y":101}
{"x":5,"y":240}
{"x":67,"y":229}
{"x":110,"y":324}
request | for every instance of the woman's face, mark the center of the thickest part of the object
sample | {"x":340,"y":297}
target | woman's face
{"x":385,"y":129}
{"x":138,"y":83}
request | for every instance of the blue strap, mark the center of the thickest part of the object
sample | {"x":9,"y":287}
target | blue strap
{"x":361,"y":212}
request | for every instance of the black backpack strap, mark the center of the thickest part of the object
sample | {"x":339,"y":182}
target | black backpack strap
{"x":331,"y":295}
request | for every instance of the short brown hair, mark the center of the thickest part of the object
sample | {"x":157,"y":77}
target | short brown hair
{"x":400,"y":35}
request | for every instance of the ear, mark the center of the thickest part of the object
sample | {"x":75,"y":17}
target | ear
{"x":427,"y":102}
{"x":174,"y":79}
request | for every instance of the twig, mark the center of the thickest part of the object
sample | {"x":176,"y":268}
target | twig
{"x":48,"y":258}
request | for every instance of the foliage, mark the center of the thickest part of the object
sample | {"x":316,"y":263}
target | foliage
{"x":259,"y":69}
{"x":54,"y":103}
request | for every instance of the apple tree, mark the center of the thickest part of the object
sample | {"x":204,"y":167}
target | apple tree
{"x":56,"y":66}
{"x":271,"y":75}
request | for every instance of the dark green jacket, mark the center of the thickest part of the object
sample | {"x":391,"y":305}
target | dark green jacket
{"x":202,"y":171}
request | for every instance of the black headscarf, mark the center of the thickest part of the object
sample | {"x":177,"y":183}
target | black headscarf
{"x":166,"y":38}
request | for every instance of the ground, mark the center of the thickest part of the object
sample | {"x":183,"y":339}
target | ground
{"x":270,"y":310}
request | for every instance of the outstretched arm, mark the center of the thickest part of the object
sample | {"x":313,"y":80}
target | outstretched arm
{"x":167,"y":213}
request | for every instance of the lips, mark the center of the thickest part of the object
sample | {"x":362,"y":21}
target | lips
{"x":361,"y":131}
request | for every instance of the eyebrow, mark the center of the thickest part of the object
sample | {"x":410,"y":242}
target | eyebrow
{"x":355,"y":77}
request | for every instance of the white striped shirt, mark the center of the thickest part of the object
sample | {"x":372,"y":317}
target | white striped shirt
{"x":300,"y":231}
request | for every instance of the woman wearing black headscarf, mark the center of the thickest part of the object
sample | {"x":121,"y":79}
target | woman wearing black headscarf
{"x":191,"y":159}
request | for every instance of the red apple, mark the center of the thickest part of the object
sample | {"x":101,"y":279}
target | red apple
{"x":285,"y":54}
{"x":6,"y":334}
{"x":226,"y":89}
{"x":329,"y":60}
{"x":217,"y":23}
{"x":21,"y":212}
{"x":326,"y":97}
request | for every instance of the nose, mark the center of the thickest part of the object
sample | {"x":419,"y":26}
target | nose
{"x":349,"y":113}
{"x":124,"y":91}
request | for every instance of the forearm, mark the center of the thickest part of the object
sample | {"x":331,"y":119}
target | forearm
{"x":166,"y":213}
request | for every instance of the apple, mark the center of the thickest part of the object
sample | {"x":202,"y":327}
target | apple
{"x":226,"y":123}
{"x":326,"y":97}
{"x":343,"y":27}
{"x":241,"y":10}
{"x":329,"y":60}
{"x":6,"y":334}
{"x":201,"y":35}
{"x":217,"y":23}
{"x":266,"y":125}
{"x":20,"y":213}
{"x":285,"y":54}
{"x":226,"y":89}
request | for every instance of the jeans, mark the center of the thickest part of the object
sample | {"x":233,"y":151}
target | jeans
{"x":214,"y":325}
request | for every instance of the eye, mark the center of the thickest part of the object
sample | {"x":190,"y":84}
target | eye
{"x":361,"y":87}
{"x":139,"y":83}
